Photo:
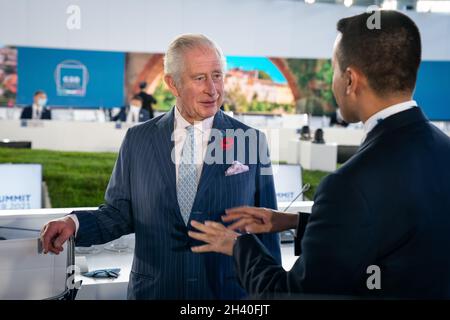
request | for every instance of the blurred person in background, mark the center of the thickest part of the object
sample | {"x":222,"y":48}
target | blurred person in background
{"x":147,"y":99}
{"x":133,"y":113}
{"x":39,"y":109}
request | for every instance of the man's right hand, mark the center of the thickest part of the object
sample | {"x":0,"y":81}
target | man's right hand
{"x":260,"y":220}
{"x":55,"y":233}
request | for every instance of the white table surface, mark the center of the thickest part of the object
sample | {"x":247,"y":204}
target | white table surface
{"x":113,"y":289}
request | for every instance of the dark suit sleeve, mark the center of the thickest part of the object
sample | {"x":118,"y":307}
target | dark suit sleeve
{"x":121,"y":116}
{"x":114,"y":218}
{"x":266,"y":196}
{"x":303,"y":218}
{"x":47,"y":114}
{"x":26,"y":113}
{"x":337,"y":247}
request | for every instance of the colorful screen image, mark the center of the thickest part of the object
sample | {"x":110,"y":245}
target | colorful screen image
{"x":8,"y":76}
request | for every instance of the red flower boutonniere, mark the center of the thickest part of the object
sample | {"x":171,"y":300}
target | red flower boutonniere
{"x":227,"y":143}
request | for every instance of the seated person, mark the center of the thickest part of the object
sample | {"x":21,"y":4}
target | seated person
{"x":38,"y":109}
{"x":133,"y":113}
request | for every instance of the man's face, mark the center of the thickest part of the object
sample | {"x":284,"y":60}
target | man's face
{"x":200,"y":88}
{"x":40,"y":97}
{"x":340,"y":87}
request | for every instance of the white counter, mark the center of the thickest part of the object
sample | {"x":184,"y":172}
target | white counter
{"x":116,"y":289}
{"x":65,"y":135}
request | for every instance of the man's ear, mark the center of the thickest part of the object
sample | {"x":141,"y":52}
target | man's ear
{"x":353,"y":78}
{"x":170,"y":82}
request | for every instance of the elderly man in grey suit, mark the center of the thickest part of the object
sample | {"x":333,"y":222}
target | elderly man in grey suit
{"x":161,"y":181}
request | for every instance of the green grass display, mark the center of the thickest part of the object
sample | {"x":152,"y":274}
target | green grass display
{"x":312,"y":177}
{"x":79,"y":179}
{"x":74,"y":179}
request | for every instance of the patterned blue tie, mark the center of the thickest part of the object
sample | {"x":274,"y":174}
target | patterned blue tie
{"x":187,"y":176}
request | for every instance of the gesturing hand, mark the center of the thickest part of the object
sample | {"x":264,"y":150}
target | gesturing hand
{"x":217,"y":237}
{"x":259,"y":220}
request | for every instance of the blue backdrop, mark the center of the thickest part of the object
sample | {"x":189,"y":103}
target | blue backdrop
{"x":71,"y":77}
{"x":433,"y":89}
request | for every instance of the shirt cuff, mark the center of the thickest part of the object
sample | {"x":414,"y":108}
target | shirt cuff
{"x":75,"y":220}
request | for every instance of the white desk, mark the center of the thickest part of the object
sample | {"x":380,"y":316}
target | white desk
{"x":316,"y":156}
{"x":313,"y":156}
{"x":293,"y":156}
{"x":105,"y":289}
{"x":65,"y":135}
{"x":116,"y":289}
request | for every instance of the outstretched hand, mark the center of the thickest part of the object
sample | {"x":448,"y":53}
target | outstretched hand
{"x":216,"y":236}
{"x":259,"y":220}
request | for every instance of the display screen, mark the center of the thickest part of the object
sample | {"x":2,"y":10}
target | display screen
{"x":71,"y":78}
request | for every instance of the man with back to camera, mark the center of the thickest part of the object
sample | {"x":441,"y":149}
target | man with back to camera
{"x":155,"y":197}
{"x":380,"y":224}
{"x":38,"y":109}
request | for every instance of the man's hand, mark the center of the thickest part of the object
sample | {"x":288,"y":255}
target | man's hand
{"x":218,"y":238}
{"x":259,"y":220}
{"x":55,"y":233}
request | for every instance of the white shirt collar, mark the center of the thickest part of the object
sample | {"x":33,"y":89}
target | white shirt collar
{"x":181,"y":123}
{"x":36,"y":106}
{"x":387,"y":112}
{"x":36,"y":111}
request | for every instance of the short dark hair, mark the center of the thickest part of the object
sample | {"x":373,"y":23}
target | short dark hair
{"x":388,"y":56}
{"x":142,"y":85}
{"x":38,"y":92}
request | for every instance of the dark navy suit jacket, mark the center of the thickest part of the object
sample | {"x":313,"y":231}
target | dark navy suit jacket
{"x":388,"y":206}
{"x":141,"y":197}
{"x":27,"y":113}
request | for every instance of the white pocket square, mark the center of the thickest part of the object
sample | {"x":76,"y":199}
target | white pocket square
{"x":236,"y":168}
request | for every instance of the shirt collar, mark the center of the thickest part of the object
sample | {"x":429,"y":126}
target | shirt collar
{"x":182,"y":123}
{"x":387,"y":112}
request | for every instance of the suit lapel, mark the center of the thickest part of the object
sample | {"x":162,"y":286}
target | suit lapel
{"x":210,"y":170}
{"x":163,"y":146}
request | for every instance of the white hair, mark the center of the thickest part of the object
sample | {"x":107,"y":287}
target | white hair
{"x":173,"y":60}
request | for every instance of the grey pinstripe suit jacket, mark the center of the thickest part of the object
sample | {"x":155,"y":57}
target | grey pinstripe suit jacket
{"x":141,"y":198}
